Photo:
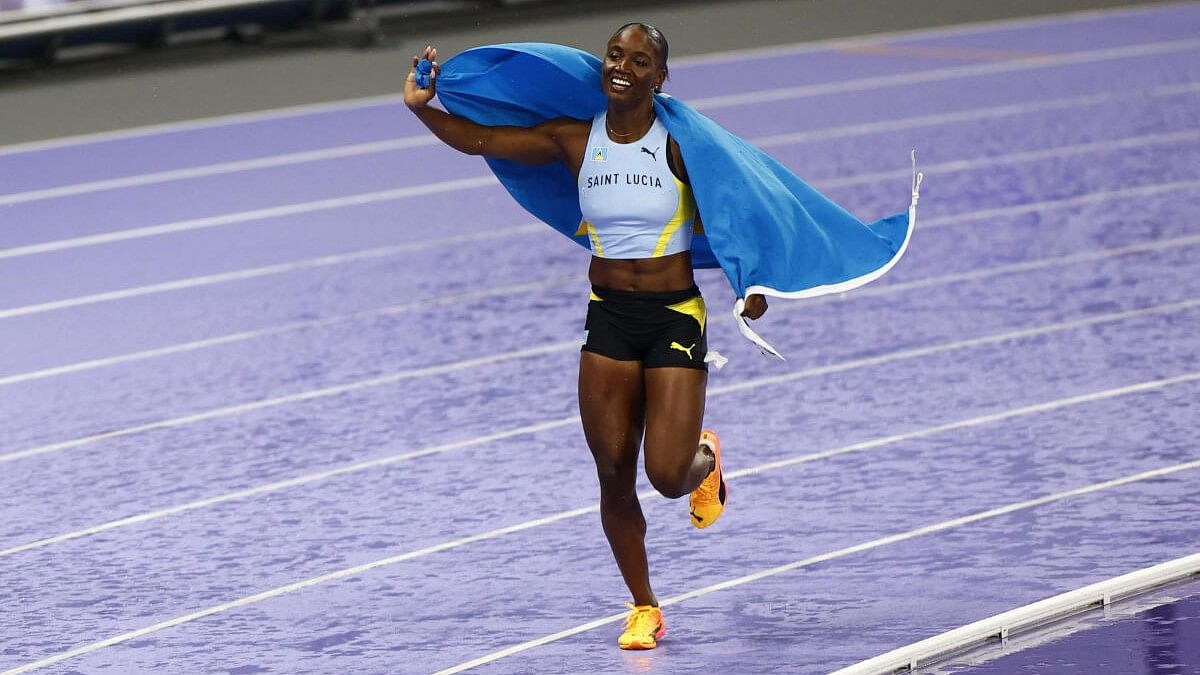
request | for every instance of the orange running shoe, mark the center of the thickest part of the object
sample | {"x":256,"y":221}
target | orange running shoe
{"x":708,"y":500}
{"x":643,"y":627}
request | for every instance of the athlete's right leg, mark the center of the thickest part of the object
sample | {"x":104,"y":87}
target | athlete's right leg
{"x":612,"y":405}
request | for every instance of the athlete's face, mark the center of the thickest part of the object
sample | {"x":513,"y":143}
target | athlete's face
{"x":632,"y":66}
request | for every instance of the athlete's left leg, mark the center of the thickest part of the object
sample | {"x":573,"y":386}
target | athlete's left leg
{"x":676,"y":463}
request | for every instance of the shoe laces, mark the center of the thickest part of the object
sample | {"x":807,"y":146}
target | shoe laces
{"x":642,"y":619}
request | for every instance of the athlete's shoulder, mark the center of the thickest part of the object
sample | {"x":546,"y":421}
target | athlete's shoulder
{"x":565,"y":127}
{"x":569,"y":134}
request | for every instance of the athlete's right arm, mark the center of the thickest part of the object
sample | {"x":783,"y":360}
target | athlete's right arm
{"x":538,"y":145}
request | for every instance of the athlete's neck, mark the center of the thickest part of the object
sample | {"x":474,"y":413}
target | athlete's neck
{"x":629,"y":125}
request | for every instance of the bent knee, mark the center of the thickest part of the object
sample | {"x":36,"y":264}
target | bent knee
{"x":670,"y":481}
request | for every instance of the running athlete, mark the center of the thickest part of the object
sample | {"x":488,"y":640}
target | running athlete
{"x":642,"y":368}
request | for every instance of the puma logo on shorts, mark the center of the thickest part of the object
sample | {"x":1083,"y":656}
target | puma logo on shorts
{"x":685,"y":350}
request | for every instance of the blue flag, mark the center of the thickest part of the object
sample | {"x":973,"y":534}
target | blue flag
{"x":768,"y":230}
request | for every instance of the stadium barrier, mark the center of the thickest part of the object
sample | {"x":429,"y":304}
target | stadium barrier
{"x":42,"y":30}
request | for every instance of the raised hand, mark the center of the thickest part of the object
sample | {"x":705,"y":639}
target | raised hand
{"x":414,"y":96}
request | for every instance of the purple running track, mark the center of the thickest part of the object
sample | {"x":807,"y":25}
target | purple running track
{"x":251,"y":400}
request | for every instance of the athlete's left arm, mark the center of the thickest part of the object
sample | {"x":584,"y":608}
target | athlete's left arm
{"x":756,"y":304}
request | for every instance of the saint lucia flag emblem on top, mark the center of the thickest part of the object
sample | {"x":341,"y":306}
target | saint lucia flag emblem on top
{"x":600,"y":154}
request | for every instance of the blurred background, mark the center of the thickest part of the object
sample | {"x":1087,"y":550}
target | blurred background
{"x":82,"y":66}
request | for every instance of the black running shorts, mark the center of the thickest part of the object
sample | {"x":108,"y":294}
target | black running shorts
{"x":662,"y":330}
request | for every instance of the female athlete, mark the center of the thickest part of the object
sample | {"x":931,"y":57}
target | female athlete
{"x":642,"y":368}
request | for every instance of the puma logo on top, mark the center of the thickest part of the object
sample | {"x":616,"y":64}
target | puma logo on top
{"x":654,"y":154}
{"x":685,"y":350}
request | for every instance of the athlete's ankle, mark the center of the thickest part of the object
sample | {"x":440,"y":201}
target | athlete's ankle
{"x":644,"y":600}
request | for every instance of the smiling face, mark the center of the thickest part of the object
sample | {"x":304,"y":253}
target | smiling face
{"x":633,"y":67}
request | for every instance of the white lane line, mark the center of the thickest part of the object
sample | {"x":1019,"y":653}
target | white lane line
{"x":970,"y":343}
{"x":825,"y":557}
{"x":681,"y":63}
{"x":426,"y":140}
{"x":255,"y":214}
{"x":1172,"y":89}
{"x":325,"y":261}
{"x":231,"y":338}
{"x":960,"y":116}
{"x":484,"y":181}
{"x":267,"y":162}
{"x":942,"y":168}
{"x":1062,"y":151}
{"x":269,"y":270}
{"x":970,"y":28}
{"x":323,"y":392}
{"x":202,"y":123}
{"x":1064,"y":203}
{"x":423,"y":141}
{"x":284,"y":268}
{"x":944,"y":74}
{"x":500,"y":532}
{"x":290,"y":483}
{"x":564,"y":346}
{"x":552,"y":424}
{"x":1100,"y":254}
{"x":1027,"y":266}
{"x":974,"y":422}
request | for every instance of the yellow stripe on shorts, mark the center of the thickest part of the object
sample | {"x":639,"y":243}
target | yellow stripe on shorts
{"x":693,"y":307}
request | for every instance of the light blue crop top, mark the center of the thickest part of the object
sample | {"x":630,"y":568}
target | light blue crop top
{"x":633,"y":206}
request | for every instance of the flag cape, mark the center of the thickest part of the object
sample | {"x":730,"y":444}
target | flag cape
{"x":768,"y":230}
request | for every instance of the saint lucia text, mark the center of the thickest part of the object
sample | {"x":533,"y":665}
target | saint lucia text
{"x":629,"y":179}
